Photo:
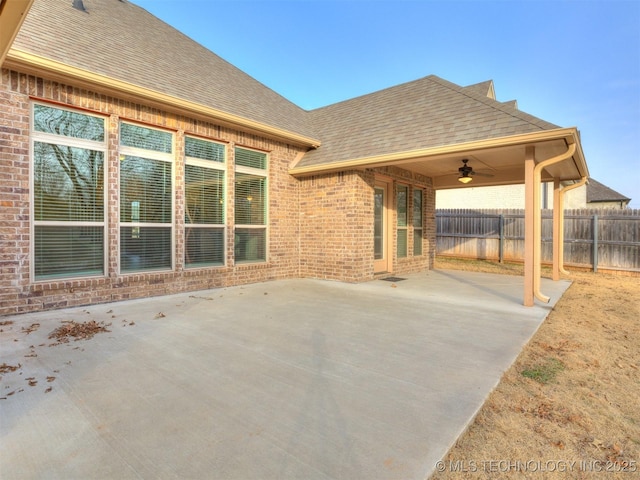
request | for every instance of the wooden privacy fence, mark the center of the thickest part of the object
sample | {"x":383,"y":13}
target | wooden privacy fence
{"x":592,"y":238}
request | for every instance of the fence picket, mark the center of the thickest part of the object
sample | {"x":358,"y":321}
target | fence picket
{"x":595,"y":238}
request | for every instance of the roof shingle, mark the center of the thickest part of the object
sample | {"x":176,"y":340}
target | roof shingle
{"x":122,"y":41}
{"x":429,"y":112}
{"x":598,"y":192}
{"x":125,"y":42}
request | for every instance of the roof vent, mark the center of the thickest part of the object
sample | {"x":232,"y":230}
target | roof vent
{"x":78,"y":5}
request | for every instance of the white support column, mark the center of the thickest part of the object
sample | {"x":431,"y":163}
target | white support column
{"x":558,"y":229}
{"x":563,"y":192}
{"x":529,"y":214}
{"x":537,"y":220}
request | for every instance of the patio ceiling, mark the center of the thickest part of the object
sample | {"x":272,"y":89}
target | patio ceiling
{"x":497,"y":161}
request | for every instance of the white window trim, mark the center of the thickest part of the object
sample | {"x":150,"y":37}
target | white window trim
{"x":403,"y":227}
{"x":259,"y":172}
{"x":421,"y":226}
{"x":43,"y":137}
{"x":124,"y":150}
{"x":220,"y":166}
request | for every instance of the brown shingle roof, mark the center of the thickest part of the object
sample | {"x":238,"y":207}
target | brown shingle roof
{"x":597,"y":192}
{"x":429,"y":112}
{"x":483,"y":88}
{"x":125,"y":42}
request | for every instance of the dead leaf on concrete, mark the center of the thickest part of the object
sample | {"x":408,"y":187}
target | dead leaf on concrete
{"x":5,"y":324}
{"x":5,"y":368}
{"x":160,"y":315}
{"x":79,"y":331}
{"x":31,"y":328}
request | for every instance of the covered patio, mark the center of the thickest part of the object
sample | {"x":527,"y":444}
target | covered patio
{"x":553,"y":155}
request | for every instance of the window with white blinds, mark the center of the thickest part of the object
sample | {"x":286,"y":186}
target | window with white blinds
{"x":402,"y":216}
{"x":250,"y":205}
{"x":69,"y":150}
{"x":204,"y":203}
{"x":146,"y":198}
{"x":417,"y":222}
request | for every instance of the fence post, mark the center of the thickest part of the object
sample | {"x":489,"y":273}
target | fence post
{"x":501,"y":230}
{"x":595,"y":243}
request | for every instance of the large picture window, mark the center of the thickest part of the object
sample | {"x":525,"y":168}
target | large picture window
{"x":146,"y":198}
{"x":402,"y":214}
{"x":250,"y":205}
{"x":68,"y":193}
{"x":205,"y":203}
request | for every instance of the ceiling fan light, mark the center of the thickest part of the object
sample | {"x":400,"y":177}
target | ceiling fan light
{"x":465,"y":172}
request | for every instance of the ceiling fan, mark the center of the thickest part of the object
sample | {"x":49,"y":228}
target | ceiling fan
{"x":467,"y":172}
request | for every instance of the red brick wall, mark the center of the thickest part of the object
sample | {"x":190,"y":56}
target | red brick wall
{"x":19,"y":294}
{"x":14,"y":190}
{"x":336,"y":224}
{"x":320,"y":226}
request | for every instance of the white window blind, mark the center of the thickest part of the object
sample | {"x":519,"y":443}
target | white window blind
{"x":250,"y":205}
{"x":205,"y":203}
{"x":402,"y":217}
{"x":68,"y":193}
{"x":146,"y":198}
{"x":417,"y":222}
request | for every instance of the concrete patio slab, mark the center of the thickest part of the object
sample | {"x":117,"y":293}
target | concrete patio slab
{"x":292,"y":379}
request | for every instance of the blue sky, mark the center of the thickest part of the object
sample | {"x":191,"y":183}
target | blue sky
{"x":572,"y":63}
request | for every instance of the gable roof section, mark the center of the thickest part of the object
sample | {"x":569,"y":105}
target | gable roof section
{"x":483,"y":88}
{"x":429,"y":112}
{"x":121,"y":41}
{"x":598,"y":192}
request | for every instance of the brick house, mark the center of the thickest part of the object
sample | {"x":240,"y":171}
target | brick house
{"x":135,"y":162}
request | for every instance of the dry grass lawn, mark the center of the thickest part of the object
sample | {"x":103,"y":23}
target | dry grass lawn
{"x":569,"y":407}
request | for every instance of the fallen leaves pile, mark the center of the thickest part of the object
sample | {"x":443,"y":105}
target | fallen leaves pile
{"x":4,"y":368}
{"x":79,"y":331}
{"x":67,"y":330}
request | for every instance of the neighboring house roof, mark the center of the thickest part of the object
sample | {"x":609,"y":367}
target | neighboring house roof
{"x":425,"y":113}
{"x":125,"y":42}
{"x":597,"y":192}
